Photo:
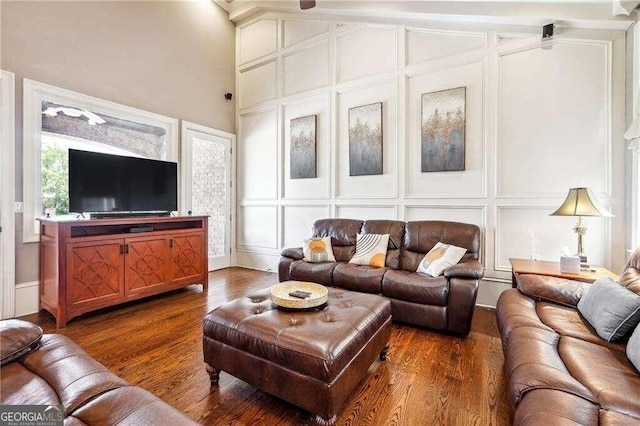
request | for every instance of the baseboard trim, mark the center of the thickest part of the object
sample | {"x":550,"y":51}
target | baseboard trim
{"x":26,"y":298}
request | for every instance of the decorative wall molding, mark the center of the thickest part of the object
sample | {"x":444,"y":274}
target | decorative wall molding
{"x":7,"y":194}
{"x":480,"y":37}
{"x":567,"y":238}
{"x":261,"y":32}
{"x":606,"y":85}
{"x":321,"y":133}
{"x":26,"y":297}
{"x":480,"y":204}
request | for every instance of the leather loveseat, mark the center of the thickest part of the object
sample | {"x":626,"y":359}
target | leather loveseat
{"x":442,"y":303}
{"x":51,"y":369}
{"x":558,"y":370}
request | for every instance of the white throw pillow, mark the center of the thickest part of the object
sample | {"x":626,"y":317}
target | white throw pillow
{"x":318,"y":250}
{"x":439,"y":258}
{"x":371,"y":250}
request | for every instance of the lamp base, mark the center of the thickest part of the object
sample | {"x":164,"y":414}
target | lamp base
{"x":583,"y":257}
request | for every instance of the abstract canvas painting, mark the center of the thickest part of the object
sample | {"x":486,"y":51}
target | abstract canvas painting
{"x":443,"y":130}
{"x":303,"y":147}
{"x":365,"y":140}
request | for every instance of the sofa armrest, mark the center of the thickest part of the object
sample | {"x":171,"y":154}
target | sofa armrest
{"x":294,"y":253}
{"x":460,"y":304}
{"x":551,"y":289}
{"x":466,"y":269}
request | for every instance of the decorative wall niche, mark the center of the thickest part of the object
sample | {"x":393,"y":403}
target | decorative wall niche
{"x":298,"y":221}
{"x":471,"y":181}
{"x":570,"y":81}
{"x":258,"y":84}
{"x":258,"y":226}
{"x":373,"y":186}
{"x":367,"y":212}
{"x":307,"y":69}
{"x":452,"y":213}
{"x":427,"y":45}
{"x":258,"y":155}
{"x":367,"y":51}
{"x":297,"y":31}
{"x":318,"y":187}
{"x":257,"y":40}
{"x":523,"y":231}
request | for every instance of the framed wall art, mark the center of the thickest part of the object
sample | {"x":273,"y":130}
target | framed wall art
{"x":365,"y":140}
{"x":302,"y":156}
{"x":443,"y":130}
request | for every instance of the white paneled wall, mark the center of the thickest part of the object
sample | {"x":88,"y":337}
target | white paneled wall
{"x":538,"y":122}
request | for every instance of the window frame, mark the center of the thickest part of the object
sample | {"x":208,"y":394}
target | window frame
{"x":34,"y":93}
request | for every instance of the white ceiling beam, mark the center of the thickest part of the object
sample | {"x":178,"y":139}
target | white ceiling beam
{"x":624,"y":7}
{"x":591,"y":15}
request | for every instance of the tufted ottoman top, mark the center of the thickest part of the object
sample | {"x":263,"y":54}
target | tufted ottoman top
{"x":317,"y":343}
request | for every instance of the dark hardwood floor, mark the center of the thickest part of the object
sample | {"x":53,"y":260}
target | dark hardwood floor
{"x":428,"y":378}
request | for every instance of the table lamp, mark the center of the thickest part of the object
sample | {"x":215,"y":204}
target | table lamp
{"x":581,"y":202}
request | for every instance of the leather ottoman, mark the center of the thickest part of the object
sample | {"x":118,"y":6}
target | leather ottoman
{"x":313,"y":359}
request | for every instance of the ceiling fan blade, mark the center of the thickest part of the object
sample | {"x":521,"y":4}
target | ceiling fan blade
{"x":307,"y":4}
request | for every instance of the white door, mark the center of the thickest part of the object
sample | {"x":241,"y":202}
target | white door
{"x":206,"y":175}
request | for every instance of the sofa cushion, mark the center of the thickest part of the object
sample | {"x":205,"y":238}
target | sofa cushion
{"x":416,"y":288}
{"x":18,"y":338}
{"x":610,"y":308}
{"x":633,"y":348}
{"x":607,"y":373}
{"x":343,"y":233}
{"x":421,"y":236}
{"x":568,"y":322}
{"x":544,"y":407}
{"x":320,"y":273}
{"x":20,"y":386}
{"x":439,"y":258}
{"x":532,"y":362}
{"x":367,"y":279}
{"x":58,"y":372}
{"x":317,"y":250}
{"x":129,"y":405}
{"x":371,"y":249}
{"x":552,"y":289}
{"x":395,"y":229}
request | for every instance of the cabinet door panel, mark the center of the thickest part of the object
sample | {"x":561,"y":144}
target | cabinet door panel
{"x":147,"y":262}
{"x":95,"y":275}
{"x":188,"y":258}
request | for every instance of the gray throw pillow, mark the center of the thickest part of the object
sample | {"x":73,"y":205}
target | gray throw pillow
{"x":610,"y":308}
{"x":633,"y":348}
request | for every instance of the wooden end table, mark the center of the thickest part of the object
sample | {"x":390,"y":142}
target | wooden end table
{"x":552,"y":269}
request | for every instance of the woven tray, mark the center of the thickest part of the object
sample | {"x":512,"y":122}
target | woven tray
{"x":280,"y":294}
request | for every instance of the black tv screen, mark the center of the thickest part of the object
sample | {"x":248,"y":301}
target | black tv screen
{"x":104,"y":183}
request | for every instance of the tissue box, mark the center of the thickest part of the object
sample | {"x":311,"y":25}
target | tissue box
{"x":570,"y":264}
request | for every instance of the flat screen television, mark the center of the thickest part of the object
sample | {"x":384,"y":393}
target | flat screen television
{"x":116,"y":185}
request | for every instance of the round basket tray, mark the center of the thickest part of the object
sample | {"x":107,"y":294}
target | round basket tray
{"x":280,"y":295}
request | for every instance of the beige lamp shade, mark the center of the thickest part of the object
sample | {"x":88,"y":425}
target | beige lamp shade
{"x":581,"y":202}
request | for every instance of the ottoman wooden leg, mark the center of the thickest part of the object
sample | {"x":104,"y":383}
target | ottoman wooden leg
{"x":383,"y":354}
{"x":214,"y":374}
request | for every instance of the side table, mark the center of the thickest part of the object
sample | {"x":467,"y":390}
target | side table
{"x":552,"y":269}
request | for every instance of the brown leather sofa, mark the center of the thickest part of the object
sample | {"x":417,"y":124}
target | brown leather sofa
{"x":442,"y":303}
{"x":55,"y":370}
{"x":558,"y":370}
